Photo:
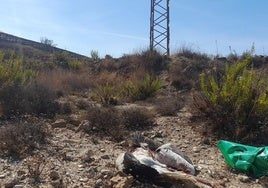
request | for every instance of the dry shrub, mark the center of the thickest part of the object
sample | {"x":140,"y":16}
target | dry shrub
{"x":28,"y":99}
{"x":36,"y":165}
{"x":114,"y":123}
{"x":19,"y":140}
{"x":184,"y":72}
{"x":66,"y":108}
{"x":137,"y":118}
{"x":104,"y":120}
{"x":82,"y":104}
{"x":168,"y":106}
{"x":146,"y":60}
{"x":187,"y":65}
{"x":190,"y":53}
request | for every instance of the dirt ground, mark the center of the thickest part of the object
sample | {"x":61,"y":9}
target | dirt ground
{"x":75,"y":159}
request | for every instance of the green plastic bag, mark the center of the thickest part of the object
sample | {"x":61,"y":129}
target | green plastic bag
{"x":249,"y":159}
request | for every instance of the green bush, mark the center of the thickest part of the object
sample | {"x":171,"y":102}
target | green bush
{"x":106,"y":94}
{"x":19,"y":94}
{"x":75,"y":64}
{"x":238,"y":102}
{"x":12,"y":71}
{"x":144,"y":88}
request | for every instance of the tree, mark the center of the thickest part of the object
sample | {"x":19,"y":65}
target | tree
{"x":47,"y":42}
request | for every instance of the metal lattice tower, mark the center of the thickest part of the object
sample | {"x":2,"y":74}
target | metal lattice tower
{"x":159,"y":26}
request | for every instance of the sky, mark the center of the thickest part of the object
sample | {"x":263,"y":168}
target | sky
{"x":118,"y":27}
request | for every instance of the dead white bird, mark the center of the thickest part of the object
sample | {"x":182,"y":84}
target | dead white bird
{"x":165,"y":166}
{"x":149,"y":160}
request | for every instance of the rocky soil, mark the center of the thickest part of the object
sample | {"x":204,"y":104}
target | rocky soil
{"x":75,"y":159}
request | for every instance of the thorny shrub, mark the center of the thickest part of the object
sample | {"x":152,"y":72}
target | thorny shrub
{"x":19,"y":140}
{"x":237,"y":103}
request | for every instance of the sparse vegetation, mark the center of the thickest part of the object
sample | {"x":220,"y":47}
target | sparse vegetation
{"x":74,"y":97}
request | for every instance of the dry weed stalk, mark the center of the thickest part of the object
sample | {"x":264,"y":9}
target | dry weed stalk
{"x":36,"y":165}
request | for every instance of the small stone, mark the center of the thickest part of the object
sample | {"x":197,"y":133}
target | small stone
{"x":59,"y":123}
{"x":18,"y":186}
{"x":104,"y":171}
{"x":196,"y":150}
{"x":158,"y":135}
{"x":80,"y":166}
{"x":105,"y":156}
{"x":198,"y":167}
{"x":54,"y":175}
{"x":74,"y":119}
{"x":121,"y":182}
{"x":98,"y":181}
{"x":102,"y":150}
{"x":86,"y":155}
{"x":83,"y":180}
{"x":2,"y":176}
{"x":244,"y":179}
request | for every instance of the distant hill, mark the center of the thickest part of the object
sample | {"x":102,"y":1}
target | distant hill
{"x":30,"y":48}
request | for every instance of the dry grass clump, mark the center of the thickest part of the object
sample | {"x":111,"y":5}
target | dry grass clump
{"x":19,"y":140}
{"x":65,"y":81}
{"x":192,"y":54}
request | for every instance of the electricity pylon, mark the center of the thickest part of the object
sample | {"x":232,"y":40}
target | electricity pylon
{"x":159,"y":26}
